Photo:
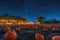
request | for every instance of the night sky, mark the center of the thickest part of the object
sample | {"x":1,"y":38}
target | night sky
{"x":31,"y":9}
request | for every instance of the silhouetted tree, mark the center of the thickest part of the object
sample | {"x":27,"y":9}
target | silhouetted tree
{"x":40,"y":19}
{"x":7,"y":16}
{"x":52,"y":21}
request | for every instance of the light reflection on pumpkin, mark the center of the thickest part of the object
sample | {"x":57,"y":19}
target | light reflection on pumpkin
{"x":54,"y":29}
{"x":56,"y":38}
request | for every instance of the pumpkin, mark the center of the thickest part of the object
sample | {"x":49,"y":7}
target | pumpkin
{"x":10,"y":35}
{"x":56,"y":38}
{"x":54,"y":29}
{"x":7,"y":29}
{"x":34,"y":27}
{"x":18,"y":29}
{"x":39,"y":36}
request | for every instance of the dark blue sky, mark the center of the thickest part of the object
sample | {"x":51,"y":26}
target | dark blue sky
{"x":31,"y":9}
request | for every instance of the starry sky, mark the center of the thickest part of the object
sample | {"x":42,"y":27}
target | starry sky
{"x":31,"y":9}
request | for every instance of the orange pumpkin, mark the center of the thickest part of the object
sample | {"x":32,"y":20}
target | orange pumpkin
{"x":10,"y":35}
{"x":26,"y":27}
{"x":56,"y":38}
{"x":18,"y":29}
{"x":7,"y":29}
{"x":39,"y":36}
{"x":54,"y":29}
{"x":35,"y":27}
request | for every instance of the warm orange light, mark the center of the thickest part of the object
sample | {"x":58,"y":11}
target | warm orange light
{"x":3,"y":20}
{"x":18,"y":23}
{"x":22,"y":23}
{"x":1,"y":23}
{"x":12,"y":20}
{"x":9,"y":23}
{"x":30,"y":23}
{"x":37,"y":22}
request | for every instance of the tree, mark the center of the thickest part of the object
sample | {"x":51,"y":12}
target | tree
{"x":8,"y":17}
{"x":52,"y":21}
{"x":5,"y":16}
{"x":40,"y":19}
